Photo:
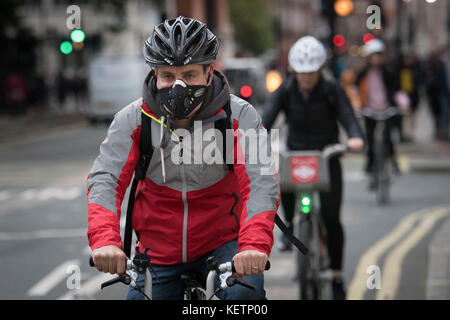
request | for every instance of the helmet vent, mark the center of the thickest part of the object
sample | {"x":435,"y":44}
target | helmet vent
{"x":160,"y":43}
{"x":192,"y":29}
{"x":195,"y":43}
{"x":163,"y":31}
{"x":177,"y":36}
{"x":210,"y":49}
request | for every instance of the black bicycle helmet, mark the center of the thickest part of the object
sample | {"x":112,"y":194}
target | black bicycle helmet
{"x":179,"y":42}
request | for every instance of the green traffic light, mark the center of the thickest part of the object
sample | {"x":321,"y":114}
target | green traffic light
{"x":306,"y":209}
{"x":306,"y":201}
{"x":66,"y":47}
{"x":77,"y":35}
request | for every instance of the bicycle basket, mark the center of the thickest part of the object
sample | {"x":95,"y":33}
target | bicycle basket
{"x":303,"y":170}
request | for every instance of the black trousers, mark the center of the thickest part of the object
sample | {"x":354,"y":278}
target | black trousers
{"x":370,"y":135}
{"x":330,"y":204}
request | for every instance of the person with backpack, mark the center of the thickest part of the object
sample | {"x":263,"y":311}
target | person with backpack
{"x":183,"y":211}
{"x":313,"y":107}
{"x":379,"y":88}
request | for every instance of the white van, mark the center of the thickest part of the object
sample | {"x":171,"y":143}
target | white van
{"x":113,"y":84}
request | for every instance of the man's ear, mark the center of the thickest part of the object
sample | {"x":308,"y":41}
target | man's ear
{"x":210,"y":74}
{"x":154,"y":69}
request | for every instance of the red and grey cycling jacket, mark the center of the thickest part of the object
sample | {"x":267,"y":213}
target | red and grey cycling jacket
{"x":196,"y":209}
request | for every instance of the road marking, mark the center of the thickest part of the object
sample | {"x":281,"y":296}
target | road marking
{"x":43,"y":234}
{"x":43,"y":194}
{"x":358,"y":285}
{"x":52,"y":279}
{"x":58,"y":193}
{"x":391,"y":272}
{"x":49,"y":193}
{"x":404,"y":163}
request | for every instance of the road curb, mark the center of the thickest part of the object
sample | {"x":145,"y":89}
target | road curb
{"x":427,"y":157}
{"x":430,"y":165}
{"x":438,"y":279}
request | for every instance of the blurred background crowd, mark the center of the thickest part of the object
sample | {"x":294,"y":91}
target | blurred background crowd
{"x":46,"y":67}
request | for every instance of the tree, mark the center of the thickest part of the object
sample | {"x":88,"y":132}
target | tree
{"x":253,"y":24}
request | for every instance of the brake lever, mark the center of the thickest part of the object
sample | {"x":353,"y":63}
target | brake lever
{"x":125,"y":279}
{"x":232,"y":281}
{"x":227,"y":281}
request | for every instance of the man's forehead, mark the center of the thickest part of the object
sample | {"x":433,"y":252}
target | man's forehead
{"x":180,"y":69}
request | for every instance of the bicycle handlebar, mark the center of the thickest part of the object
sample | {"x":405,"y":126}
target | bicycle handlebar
{"x":334,"y":149}
{"x":130,"y":264}
{"x":225,"y":269}
{"x":267,"y":267}
{"x":91,"y":261}
{"x":380,"y":115}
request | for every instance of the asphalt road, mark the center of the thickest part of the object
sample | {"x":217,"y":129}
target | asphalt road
{"x":43,"y":214}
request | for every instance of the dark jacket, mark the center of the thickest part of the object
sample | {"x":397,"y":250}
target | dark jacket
{"x":312,"y":123}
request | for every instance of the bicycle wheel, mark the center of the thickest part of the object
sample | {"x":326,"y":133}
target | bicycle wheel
{"x":383,"y":179}
{"x":381,"y":171}
{"x":308,"y":265}
{"x":383,"y":193}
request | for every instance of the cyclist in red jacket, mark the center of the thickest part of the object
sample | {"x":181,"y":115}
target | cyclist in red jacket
{"x":184,"y":212}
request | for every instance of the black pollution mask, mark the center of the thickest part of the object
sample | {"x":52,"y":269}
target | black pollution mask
{"x":179,"y":100}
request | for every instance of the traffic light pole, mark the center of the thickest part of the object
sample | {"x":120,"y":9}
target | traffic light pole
{"x":331,"y":17}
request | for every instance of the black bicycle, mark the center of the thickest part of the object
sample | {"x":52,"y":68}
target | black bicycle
{"x":307,"y":173}
{"x":194,"y":287}
{"x":383,"y":168}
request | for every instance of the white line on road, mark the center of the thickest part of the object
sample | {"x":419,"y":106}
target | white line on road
{"x":358,"y":285}
{"x":43,"y":234}
{"x":392,"y":268}
{"x":43,"y":194}
{"x":49,"y":193}
{"x":58,"y":193}
{"x":52,"y":279}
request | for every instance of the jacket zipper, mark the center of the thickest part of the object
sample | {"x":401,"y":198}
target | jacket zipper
{"x":185,"y":205}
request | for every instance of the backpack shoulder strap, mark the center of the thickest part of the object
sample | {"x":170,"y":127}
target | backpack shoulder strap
{"x":145,"y":155}
{"x":145,"y":147}
{"x":222,"y":125}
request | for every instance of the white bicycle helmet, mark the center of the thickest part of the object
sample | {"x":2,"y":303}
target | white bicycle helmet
{"x":373,"y":46}
{"x":307,"y":55}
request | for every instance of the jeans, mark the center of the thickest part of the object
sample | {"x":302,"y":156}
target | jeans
{"x":167,"y":284}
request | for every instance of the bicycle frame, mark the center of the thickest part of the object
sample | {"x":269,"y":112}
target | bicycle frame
{"x":307,"y":172}
{"x":381,"y":176}
{"x":312,"y":268}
